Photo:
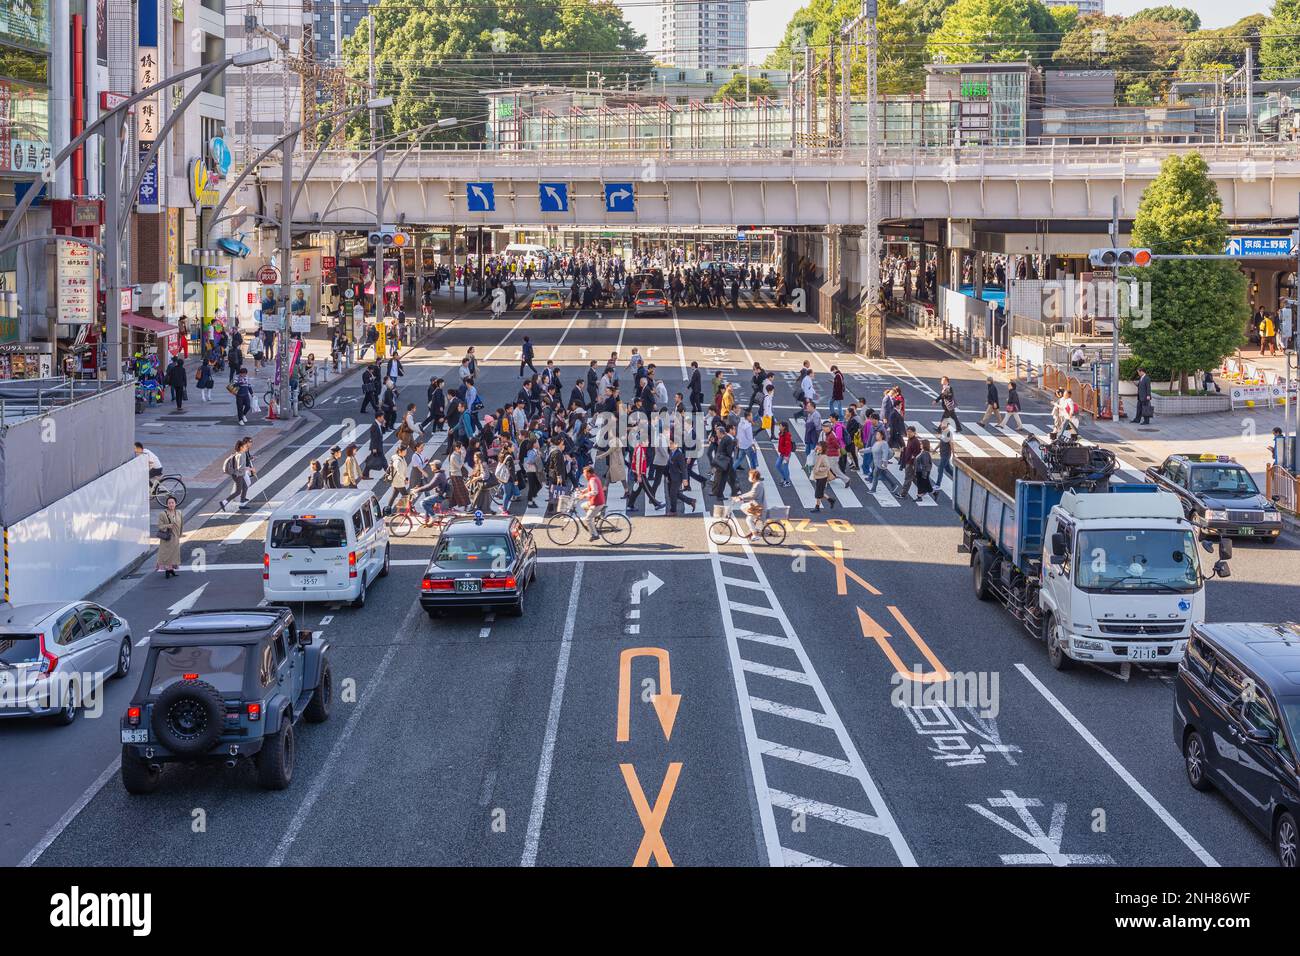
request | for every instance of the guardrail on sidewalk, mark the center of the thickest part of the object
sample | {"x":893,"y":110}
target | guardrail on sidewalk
{"x":1286,"y":486}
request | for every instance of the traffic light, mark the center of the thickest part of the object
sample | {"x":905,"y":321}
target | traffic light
{"x":1119,"y":258}
{"x":390,"y":236}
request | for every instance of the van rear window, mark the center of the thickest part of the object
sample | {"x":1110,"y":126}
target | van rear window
{"x":19,"y":649}
{"x":308,"y":533}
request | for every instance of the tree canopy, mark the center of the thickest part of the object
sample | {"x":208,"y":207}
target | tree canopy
{"x":1142,"y":52}
{"x":1279,"y":42}
{"x":1189,"y":20}
{"x":1198,"y":309}
{"x":436,"y":57}
{"x":898,"y":56}
{"x":741,"y":88}
{"x":999,"y":31}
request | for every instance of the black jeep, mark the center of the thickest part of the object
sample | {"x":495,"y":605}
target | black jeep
{"x":221,"y":685}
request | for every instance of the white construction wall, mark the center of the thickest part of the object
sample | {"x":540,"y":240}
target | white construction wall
{"x":70,"y":548}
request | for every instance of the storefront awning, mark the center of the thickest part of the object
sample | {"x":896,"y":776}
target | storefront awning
{"x":147,"y":323}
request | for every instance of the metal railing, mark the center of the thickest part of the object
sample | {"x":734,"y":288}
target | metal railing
{"x":48,"y":394}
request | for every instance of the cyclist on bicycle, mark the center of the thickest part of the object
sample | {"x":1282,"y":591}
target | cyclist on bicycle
{"x":434,"y":490}
{"x":593,"y":498}
{"x":754,"y":503}
{"x":155,"y":466}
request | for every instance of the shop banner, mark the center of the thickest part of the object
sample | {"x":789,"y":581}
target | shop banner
{"x":76,"y":283}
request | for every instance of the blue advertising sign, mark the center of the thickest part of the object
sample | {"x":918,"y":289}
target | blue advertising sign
{"x":480,"y":197}
{"x":553,"y":197}
{"x":220,"y":153}
{"x":148,"y":200}
{"x":619,"y":197}
{"x":1268,"y":247}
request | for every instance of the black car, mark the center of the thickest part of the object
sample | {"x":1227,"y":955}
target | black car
{"x":1237,"y":721}
{"x":222,"y":686}
{"x":483,"y":562}
{"x":1219,"y":496}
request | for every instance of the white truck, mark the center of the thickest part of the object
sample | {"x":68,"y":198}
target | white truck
{"x":1101,"y":573}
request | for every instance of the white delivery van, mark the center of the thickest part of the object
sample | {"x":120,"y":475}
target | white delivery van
{"x":327,"y":545}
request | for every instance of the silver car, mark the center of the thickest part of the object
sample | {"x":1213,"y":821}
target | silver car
{"x":54,"y":657}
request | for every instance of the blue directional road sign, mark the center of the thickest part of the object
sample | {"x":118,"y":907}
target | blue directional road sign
{"x":480,"y":197}
{"x":554,"y":197}
{"x":1256,"y":247}
{"x":619,"y":197}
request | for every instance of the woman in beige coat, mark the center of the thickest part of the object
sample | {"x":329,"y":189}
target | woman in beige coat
{"x":351,"y":476}
{"x":171,"y":525}
{"x":617,"y":471}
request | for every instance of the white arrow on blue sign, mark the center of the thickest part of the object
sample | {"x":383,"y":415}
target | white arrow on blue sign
{"x":619,"y":197}
{"x":480,"y":197}
{"x":1259,"y":247}
{"x":553,"y":197}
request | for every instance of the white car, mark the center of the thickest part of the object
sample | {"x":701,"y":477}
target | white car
{"x":52,"y":656}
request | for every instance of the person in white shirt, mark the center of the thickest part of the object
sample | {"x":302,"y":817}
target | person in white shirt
{"x":809,"y":388}
{"x":1077,"y":357}
{"x":745,"y":439}
{"x":768,"y":395}
{"x":1064,"y":412}
{"x":155,"y":465}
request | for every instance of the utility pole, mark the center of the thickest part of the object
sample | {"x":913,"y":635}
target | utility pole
{"x":875,"y":319}
{"x":1250,"y":93}
{"x":809,"y":109}
{"x":284,"y":407}
{"x":112,"y":248}
{"x":1114,"y":334}
{"x":379,"y":184}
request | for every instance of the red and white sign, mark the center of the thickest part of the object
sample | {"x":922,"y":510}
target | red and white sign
{"x":268,"y":275}
{"x":76,"y":283}
{"x":111,"y":101}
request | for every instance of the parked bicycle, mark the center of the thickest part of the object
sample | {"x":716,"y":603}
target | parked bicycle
{"x":167,"y":486}
{"x":562,"y":528}
{"x":727,"y":522}
{"x":306,"y":398}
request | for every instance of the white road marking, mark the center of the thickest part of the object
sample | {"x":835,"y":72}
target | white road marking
{"x":681,"y":352}
{"x":1143,"y":794}
{"x":534,"y":835}
{"x":71,"y":813}
{"x":564,"y":335}
{"x":806,"y":757}
{"x":621,"y":327}
{"x":264,"y":481}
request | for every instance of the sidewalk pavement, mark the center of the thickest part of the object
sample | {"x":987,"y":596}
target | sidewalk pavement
{"x":195,"y":442}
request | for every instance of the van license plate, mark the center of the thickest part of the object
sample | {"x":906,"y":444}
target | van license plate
{"x":140,"y":736}
{"x":471,"y":587}
{"x":308,"y":580}
{"x":1143,"y":654}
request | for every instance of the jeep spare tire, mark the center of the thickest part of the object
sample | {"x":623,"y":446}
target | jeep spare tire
{"x":188,"y":717}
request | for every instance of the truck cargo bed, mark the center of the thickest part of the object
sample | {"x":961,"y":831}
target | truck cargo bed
{"x":998,"y":498}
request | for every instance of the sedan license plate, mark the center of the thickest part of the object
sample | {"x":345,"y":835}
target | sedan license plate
{"x":1143,"y":653}
{"x":140,"y":736}
{"x":1246,"y":531}
{"x":469,"y":587}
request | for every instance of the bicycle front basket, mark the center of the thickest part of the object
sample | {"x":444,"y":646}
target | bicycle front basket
{"x":564,"y":503}
{"x":721,"y":511}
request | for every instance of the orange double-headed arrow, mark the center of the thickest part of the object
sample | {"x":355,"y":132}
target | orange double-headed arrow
{"x":877,"y":633}
{"x":665,"y":702}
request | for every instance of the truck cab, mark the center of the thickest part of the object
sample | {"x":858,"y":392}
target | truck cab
{"x":1122,"y":580}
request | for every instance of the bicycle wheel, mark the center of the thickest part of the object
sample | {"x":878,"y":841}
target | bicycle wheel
{"x":615,"y":528}
{"x":400,"y":524}
{"x":562,"y":529}
{"x":774,"y":533}
{"x":169,"y":487}
{"x":720,"y":531}
{"x":306,"y":399}
{"x":269,"y":397}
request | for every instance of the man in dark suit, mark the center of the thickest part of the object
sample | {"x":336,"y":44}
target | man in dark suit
{"x":376,"y":457}
{"x":695,"y":389}
{"x":677,"y":471}
{"x":593,"y":385}
{"x":1144,"y":408}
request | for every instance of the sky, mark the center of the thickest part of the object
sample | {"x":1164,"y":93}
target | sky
{"x":767,"y":18}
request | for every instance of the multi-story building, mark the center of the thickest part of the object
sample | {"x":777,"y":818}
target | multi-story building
{"x":336,"y":20}
{"x":704,"y":35}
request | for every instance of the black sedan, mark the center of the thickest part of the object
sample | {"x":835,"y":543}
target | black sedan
{"x":1219,"y":496}
{"x":482,"y":562}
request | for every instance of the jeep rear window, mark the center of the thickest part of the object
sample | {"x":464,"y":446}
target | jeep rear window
{"x":309,"y":533}
{"x":221,"y":666}
{"x":19,"y":649}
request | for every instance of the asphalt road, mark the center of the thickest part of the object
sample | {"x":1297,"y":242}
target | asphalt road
{"x":497,"y":741}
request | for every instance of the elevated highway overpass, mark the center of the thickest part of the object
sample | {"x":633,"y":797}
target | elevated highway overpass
{"x":784,"y":188}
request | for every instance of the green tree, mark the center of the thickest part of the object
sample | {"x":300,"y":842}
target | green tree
{"x":1143,"y":54}
{"x":1198,"y":309}
{"x":1189,"y":20}
{"x":999,"y":31}
{"x":927,"y":14}
{"x":898,"y":57}
{"x":1066,"y":17}
{"x":741,"y":88}
{"x":1279,"y":42}
{"x":1205,"y":51}
{"x":435,"y":57}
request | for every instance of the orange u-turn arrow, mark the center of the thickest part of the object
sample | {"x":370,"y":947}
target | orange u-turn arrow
{"x":877,"y":633}
{"x":665,"y":702}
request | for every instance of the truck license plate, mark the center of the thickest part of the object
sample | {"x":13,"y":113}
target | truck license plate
{"x":140,"y":736}
{"x":1143,"y":654}
{"x":471,"y":587}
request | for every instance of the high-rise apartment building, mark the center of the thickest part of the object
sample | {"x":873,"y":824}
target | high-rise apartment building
{"x":1085,"y":7}
{"x":704,"y":35}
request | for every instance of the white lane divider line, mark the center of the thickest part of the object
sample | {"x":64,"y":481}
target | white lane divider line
{"x":795,"y":858}
{"x":1121,"y":771}
{"x":787,"y":710}
{"x":806,"y":757}
{"x":826,"y":811}
{"x":533,"y":837}
{"x":681,"y":352}
{"x":486,"y":630}
{"x":564,"y":335}
{"x":780,"y":673}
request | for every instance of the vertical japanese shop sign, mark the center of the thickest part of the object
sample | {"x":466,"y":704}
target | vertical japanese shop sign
{"x":76,"y":283}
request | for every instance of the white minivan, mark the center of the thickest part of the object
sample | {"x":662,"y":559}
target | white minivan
{"x":325,"y":545}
